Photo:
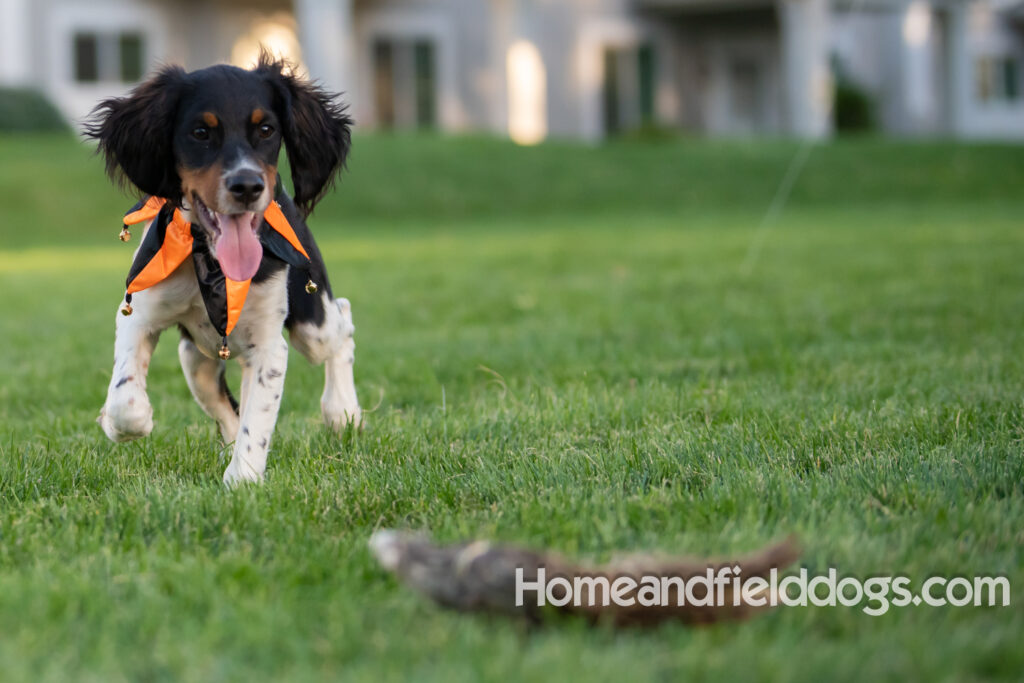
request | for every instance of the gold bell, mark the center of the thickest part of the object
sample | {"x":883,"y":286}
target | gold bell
{"x":311,"y":287}
{"x":125,"y":235}
{"x":224,"y":352}
{"x":126,"y":310}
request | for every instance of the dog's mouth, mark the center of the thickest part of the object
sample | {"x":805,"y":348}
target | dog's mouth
{"x":234,"y":239}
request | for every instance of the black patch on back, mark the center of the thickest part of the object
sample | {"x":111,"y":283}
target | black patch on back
{"x":304,"y":307}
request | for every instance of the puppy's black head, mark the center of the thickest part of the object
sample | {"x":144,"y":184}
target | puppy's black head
{"x":209,"y":141}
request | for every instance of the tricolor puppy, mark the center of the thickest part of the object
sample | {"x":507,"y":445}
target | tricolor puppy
{"x":226,"y":254}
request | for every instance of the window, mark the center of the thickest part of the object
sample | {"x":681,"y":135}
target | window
{"x":87,"y":69}
{"x":405,"y":83}
{"x":1011,"y":79}
{"x":131,"y":57}
{"x":384,"y":81}
{"x":108,"y":57}
{"x":629,"y":84}
{"x":997,"y":79}
{"x":645,"y":65}
{"x":745,"y":95}
{"x":425,"y":106}
{"x":612,"y":124}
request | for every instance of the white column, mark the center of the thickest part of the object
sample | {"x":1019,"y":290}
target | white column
{"x":328,"y":42}
{"x":806,"y":72}
{"x":958,"y":69}
{"x":15,"y":42}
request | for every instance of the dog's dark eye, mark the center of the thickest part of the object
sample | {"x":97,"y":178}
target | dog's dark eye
{"x":201,"y":133}
{"x":266,"y":130}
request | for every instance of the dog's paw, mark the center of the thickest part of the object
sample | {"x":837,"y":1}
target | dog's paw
{"x":126,"y":423}
{"x":339,"y":420}
{"x":240,"y":472}
{"x":345,"y":306}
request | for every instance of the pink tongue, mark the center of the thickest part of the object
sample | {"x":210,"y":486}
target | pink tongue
{"x":238,"y":248}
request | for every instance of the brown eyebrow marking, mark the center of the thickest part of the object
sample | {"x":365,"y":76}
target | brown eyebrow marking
{"x":257,"y":116}
{"x":210,"y":119}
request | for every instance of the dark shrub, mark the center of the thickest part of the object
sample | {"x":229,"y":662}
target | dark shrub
{"x":24,"y":109}
{"x":854,"y":109}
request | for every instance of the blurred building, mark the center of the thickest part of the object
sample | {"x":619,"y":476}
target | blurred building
{"x":580,"y":69}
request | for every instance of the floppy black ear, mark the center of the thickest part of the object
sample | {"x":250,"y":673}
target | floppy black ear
{"x":136,"y":133}
{"x":317,"y":132}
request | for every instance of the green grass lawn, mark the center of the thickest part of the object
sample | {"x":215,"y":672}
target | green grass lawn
{"x":558,"y":348}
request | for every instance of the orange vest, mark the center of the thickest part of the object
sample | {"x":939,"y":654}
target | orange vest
{"x":171,"y":240}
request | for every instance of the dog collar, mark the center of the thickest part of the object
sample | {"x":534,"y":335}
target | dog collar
{"x":171,"y":239}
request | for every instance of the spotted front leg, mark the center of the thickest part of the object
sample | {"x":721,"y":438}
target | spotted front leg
{"x":127,"y":413}
{"x":263,"y":370}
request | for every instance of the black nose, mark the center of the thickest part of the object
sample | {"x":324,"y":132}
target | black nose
{"x":246,"y":186}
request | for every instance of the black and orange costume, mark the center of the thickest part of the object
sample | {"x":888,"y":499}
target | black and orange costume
{"x":171,"y":239}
